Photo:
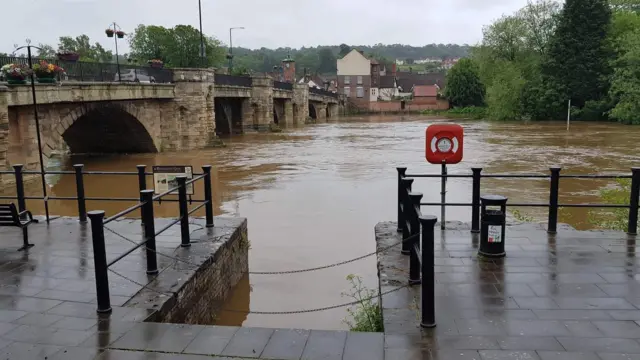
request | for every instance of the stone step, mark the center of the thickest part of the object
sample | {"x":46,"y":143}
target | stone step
{"x":248,"y":342}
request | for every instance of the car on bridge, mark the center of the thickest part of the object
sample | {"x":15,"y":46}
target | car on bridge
{"x":135,"y":75}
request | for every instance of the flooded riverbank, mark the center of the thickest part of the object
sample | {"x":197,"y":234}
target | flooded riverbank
{"x":313,"y":195}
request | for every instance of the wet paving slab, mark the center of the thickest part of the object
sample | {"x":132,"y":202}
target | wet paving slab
{"x":573,"y":295}
{"x":48,"y":302}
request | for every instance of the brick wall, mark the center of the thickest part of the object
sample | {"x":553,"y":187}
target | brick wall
{"x":396,"y":105}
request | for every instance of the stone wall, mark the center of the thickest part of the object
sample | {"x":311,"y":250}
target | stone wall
{"x":206,"y":288}
{"x":4,"y":134}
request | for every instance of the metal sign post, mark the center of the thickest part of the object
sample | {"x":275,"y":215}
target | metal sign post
{"x":443,"y":194}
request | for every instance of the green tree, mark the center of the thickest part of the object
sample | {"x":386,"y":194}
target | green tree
{"x":176,"y":47}
{"x":344,"y":50}
{"x":46,"y":51}
{"x":625,"y":87}
{"x":82,"y":45}
{"x":327,"y":61}
{"x":464,"y":87}
{"x":579,"y":56}
{"x":504,"y":94}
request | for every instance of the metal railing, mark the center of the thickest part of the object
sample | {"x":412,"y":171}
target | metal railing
{"x":98,"y":223}
{"x":421,"y":257}
{"x":322,"y":92}
{"x":100,"y":72}
{"x":553,"y":205}
{"x":282,"y":85}
{"x":233,"y":80}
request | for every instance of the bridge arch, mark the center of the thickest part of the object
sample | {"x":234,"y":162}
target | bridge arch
{"x":102,"y":128}
{"x":312,"y":111}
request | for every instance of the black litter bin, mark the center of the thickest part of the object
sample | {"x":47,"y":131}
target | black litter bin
{"x":492,"y":228}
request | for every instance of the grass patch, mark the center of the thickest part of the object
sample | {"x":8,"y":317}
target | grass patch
{"x":617,"y":218}
{"x":366,"y":315}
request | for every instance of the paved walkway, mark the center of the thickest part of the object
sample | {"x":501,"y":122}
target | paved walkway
{"x":48,"y":305}
{"x":575,"y":296}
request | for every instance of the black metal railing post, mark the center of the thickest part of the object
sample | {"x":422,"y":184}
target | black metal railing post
{"x":428,"y":317}
{"x":401,"y":172}
{"x":142,"y":185}
{"x":208,"y":195}
{"x":82,"y":206}
{"x":22,"y":204}
{"x":100,"y":261}
{"x":554,"y":185}
{"x":406,"y":203}
{"x":632,"y":227}
{"x":184,"y":211}
{"x":414,"y":243}
{"x":475,"y":200}
{"x":149,"y":231}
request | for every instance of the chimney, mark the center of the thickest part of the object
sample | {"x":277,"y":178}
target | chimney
{"x":393,"y":69}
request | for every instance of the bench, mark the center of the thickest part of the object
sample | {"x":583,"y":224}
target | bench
{"x":9,"y":216}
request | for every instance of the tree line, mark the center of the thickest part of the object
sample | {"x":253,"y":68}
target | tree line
{"x":179,"y":46}
{"x":531,"y":64}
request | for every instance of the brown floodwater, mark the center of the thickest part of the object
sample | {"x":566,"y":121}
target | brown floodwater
{"x":312,"y":195}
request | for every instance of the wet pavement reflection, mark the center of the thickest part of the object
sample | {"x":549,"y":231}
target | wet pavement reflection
{"x":313,"y":194}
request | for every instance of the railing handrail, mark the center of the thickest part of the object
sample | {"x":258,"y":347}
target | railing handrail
{"x":553,"y":205}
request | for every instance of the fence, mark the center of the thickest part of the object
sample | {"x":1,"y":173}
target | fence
{"x":410,"y":219}
{"x":322,"y":92}
{"x":282,"y":85}
{"x":101,"y":72}
{"x":232,"y":80}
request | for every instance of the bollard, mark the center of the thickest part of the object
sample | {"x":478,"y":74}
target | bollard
{"x":475,"y":201}
{"x":100,"y":261}
{"x":401,"y":173}
{"x":142,"y":184}
{"x":406,"y":203}
{"x":428,"y":318}
{"x":82,"y":207}
{"x":414,"y":243}
{"x":149,"y":231}
{"x":208,"y":195}
{"x":553,"y":200}
{"x":493,"y":223}
{"x":22,"y":205}
{"x":632,"y":227}
{"x":184,"y":211}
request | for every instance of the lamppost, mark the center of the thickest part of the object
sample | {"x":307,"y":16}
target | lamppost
{"x":230,"y":55}
{"x":35,"y":115}
{"x":202,"y":52}
{"x":119,"y":34}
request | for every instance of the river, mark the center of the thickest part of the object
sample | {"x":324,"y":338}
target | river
{"x":312,"y":195}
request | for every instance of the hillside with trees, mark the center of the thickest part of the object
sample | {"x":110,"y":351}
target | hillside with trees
{"x":322,"y":59}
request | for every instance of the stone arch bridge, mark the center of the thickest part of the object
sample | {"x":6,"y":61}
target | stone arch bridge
{"x":135,"y":118}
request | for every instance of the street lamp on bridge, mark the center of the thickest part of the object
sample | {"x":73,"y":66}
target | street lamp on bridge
{"x":230,"y":55}
{"x":119,"y":34}
{"x":35,"y":115}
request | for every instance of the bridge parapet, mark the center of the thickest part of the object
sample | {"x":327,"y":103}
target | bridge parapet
{"x":87,"y":91}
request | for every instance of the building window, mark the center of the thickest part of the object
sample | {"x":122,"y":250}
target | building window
{"x":360,"y":92}
{"x":347,"y":91}
{"x":347,"y":79}
{"x":359,"y":80}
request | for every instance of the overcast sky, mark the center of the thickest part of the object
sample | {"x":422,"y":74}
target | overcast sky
{"x":269,"y":23}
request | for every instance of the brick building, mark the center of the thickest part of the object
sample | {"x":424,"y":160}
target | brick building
{"x":359,"y":78}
